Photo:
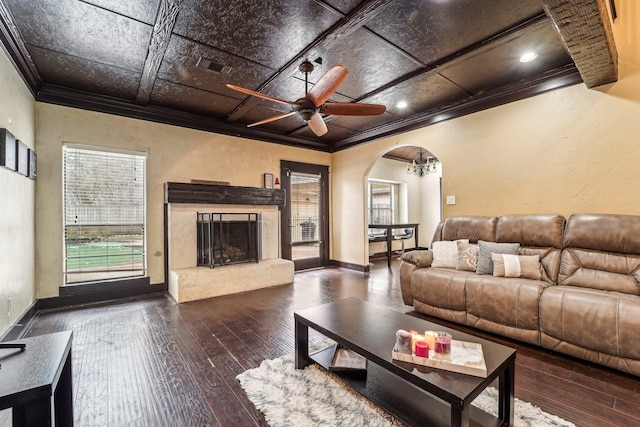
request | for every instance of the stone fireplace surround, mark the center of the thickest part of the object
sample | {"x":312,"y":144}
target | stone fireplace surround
{"x":187,"y":282}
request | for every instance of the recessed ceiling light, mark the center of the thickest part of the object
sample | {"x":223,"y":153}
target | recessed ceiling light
{"x":528,"y":57}
{"x":401,"y":104}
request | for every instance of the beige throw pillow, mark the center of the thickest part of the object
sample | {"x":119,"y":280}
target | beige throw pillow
{"x":467,"y":256}
{"x":527,"y":266}
{"x":445,"y":253}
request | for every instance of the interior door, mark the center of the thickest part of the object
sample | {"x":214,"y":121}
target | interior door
{"x":305,"y":218}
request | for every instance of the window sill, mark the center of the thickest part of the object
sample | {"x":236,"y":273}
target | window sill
{"x":101,"y":286}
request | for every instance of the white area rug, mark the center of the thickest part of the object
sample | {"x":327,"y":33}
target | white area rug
{"x":312,"y":397}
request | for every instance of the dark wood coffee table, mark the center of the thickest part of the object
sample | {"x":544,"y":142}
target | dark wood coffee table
{"x":416,"y":395}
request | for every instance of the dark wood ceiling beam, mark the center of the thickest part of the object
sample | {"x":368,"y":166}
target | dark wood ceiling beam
{"x":586,"y":32}
{"x":165,"y":21}
{"x":350,"y":23}
{"x":17,"y":51}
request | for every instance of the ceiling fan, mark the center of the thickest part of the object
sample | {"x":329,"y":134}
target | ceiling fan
{"x":314,"y":104}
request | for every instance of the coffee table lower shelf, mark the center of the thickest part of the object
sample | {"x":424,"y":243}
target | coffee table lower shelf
{"x":406,"y":402}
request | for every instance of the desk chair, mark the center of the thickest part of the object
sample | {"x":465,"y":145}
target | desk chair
{"x":407,"y":233}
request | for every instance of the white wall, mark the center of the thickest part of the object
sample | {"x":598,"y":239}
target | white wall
{"x":17,"y":192}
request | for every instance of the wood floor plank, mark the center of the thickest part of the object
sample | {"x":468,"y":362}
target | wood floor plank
{"x":148,"y":361}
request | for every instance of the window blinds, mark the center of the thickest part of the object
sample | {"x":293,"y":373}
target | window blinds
{"x":104,"y":214}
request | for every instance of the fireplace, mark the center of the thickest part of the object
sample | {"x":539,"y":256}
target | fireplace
{"x":228,"y":238}
{"x":217,"y":208}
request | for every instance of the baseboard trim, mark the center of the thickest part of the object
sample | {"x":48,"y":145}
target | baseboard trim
{"x":350,"y":266}
{"x":17,"y":330}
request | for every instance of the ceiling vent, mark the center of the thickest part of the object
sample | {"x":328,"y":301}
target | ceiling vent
{"x":208,"y":64}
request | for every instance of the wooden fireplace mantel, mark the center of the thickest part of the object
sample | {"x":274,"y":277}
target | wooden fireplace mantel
{"x":177,"y":192}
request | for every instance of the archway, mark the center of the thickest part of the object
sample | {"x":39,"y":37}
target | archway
{"x":399,"y":191}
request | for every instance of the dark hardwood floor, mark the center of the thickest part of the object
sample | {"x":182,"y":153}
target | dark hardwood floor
{"x":151,"y":362}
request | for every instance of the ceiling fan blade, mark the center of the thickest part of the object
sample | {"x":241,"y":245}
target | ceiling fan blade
{"x":327,"y":85}
{"x":352,"y":109}
{"x":259,"y":95}
{"x":272,"y":119}
{"x":317,"y":125}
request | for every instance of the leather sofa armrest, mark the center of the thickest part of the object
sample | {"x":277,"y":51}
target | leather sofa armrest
{"x":420,"y":258}
{"x":411,"y":261}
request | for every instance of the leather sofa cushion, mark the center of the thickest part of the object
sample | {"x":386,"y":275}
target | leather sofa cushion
{"x":473,"y":228}
{"x":538,"y":235}
{"x":600,"y":270}
{"x":549,"y":261}
{"x":440,"y":287}
{"x":602,"y":232}
{"x":531,"y":230}
{"x":606,"y":322}
{"x":505,"y":301}
{"x":602,"y":252}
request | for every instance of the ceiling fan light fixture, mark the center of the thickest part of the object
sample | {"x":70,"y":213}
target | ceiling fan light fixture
{"x":306,"y":114}
{"x":305,"y":109}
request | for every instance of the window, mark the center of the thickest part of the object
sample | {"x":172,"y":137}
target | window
{"x":104,"y":214}
{"x":383,"y":202}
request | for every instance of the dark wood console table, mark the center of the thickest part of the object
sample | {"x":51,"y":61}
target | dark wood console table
{"x":37,"y":382}
{"x":389,"y":229}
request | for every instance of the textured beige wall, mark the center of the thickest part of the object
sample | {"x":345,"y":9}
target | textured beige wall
{"x":174,"y":154}
{"x":17,"y":229}
{"x":570,"y":150}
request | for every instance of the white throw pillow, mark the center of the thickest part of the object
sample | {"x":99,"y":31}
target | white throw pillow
{"x":445,"y":253}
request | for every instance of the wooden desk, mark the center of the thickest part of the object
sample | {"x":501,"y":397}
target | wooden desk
{"x":37,"y":382}
{"x":389,"y":228}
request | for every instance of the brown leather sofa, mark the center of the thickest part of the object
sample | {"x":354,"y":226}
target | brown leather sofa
{"x":585,"y":304}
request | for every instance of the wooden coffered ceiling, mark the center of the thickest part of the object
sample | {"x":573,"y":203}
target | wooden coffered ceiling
{"x":169,"y":60}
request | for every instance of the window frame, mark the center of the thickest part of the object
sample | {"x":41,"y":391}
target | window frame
{"x":394,"y":202}
{"x":112,"y":273}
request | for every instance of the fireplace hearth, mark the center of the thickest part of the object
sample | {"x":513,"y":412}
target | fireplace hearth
{"x":228,"y":238}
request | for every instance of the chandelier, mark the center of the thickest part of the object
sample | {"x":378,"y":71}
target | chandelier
{"x":422,"y":166}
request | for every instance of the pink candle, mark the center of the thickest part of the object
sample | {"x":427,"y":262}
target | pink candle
{"x":443,"y":347}
{"x":422,"y":349}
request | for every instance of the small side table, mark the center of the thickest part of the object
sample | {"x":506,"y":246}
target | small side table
{"x":37,"y":382}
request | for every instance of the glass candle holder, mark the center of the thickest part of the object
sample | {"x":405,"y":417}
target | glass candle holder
{"x":443,"y":346}
{"x":430,"y":337}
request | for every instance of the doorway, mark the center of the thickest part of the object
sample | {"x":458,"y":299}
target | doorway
{"x":398,"y":195}
{"x":305,"y":218}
